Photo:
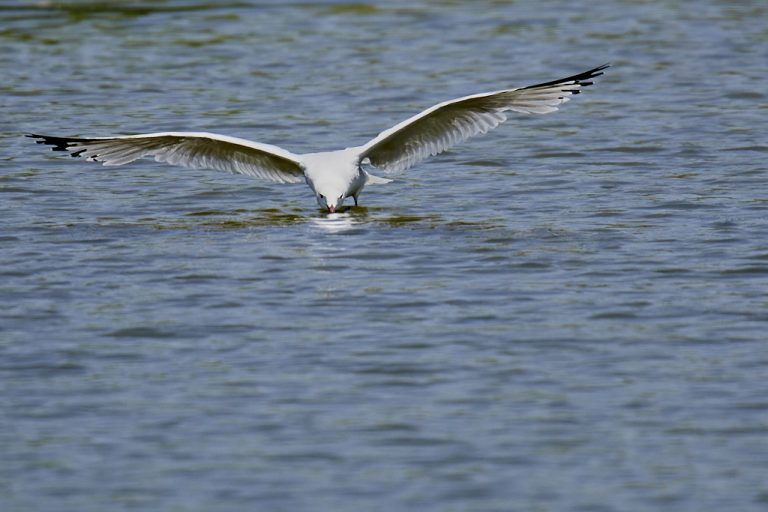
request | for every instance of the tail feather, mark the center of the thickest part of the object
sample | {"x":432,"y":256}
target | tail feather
{"x":375,"y":180}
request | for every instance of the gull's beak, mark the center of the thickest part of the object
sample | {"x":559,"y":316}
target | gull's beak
{"x":331,"y":208}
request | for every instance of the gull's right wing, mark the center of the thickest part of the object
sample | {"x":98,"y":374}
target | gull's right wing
{"x":449,"y":123}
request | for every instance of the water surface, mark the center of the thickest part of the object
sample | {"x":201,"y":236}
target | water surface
{"x":566,"y":314}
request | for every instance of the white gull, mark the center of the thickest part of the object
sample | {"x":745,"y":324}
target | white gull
{"x":333,"y":175}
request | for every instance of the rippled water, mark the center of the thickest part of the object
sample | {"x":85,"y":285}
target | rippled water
{"x":569,"y":313}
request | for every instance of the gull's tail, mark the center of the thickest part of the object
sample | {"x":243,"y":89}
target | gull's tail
{"x":370,"y":179}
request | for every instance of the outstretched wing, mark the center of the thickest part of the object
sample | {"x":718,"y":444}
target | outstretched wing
{"x":449,"y":123}
{"x":188,"y":149}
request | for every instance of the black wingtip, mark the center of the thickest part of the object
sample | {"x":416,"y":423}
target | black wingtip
{"x":582,"y":79}
{"x":598,"y":71}
{"x":36,"y":136}
{"x":57,"y":143}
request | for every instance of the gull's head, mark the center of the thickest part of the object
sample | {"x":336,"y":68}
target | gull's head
{"x":330,"y":175}
{"x":330,"y":200}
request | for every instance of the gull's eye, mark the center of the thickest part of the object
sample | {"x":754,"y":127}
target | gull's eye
{"x":322,"y":196}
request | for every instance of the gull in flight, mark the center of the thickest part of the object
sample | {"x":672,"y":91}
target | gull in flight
{"x":333,"y":175}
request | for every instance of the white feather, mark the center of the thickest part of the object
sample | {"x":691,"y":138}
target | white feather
{"x":449,"y":123}
{"x":195,"y":150}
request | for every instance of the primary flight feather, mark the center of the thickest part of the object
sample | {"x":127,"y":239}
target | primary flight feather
{"x":333,"y":175}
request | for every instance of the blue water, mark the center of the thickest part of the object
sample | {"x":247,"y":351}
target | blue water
{"x":569,"y":313}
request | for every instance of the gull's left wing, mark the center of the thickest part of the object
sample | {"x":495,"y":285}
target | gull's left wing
{"x":449,"y":123}
{"x":188,"y":149}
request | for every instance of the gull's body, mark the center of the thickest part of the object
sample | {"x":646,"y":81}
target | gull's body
{"x":333,"y":175}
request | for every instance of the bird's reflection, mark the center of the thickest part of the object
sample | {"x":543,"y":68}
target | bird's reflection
{"x":340,"y":221}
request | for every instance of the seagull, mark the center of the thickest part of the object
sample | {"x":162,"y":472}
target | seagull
{"x":337,"y":175}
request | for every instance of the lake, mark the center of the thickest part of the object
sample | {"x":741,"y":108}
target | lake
{"x":568,"y":313}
